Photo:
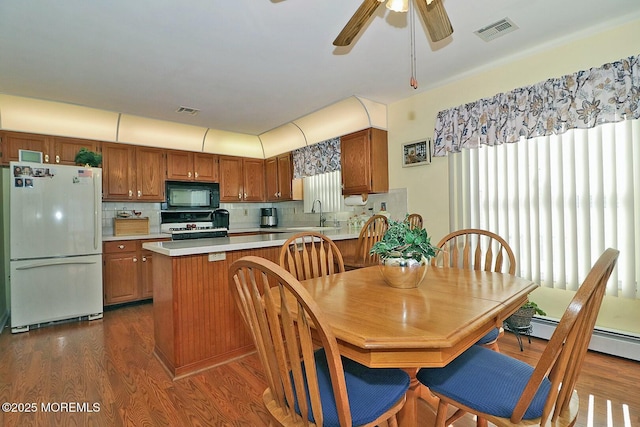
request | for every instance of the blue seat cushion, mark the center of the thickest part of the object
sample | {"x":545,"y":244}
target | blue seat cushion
{"x":490,"y":337}
{"x":371,"y":392}
{"x":487,"y":381}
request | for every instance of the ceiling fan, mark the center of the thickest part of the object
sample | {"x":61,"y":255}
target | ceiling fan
{"x":432,"y":12}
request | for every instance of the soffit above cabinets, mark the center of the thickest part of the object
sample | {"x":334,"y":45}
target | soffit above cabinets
{"x":53,"y":118}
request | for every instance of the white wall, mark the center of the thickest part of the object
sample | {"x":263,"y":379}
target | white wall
{"x":414,"y":118}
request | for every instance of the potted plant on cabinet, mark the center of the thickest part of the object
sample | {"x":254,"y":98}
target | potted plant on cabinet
{"x":87,"y":157}
{"x":404,"y":254}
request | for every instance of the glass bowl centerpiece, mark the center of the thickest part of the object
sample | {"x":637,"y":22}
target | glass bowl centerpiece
{"x":404,"y":253}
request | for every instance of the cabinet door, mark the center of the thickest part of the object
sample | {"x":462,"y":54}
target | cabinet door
{"x":285,"y":177}
{"x":118,"y":171}
{"x":14,"y":141}
{"x":180,"y":165}
{"x":146,"y":274}
{"x":271,"y":179}
{"x":65,"y":149}
{"x":253,"y":171}
{"x":205,"y":167}
{"x":120,"y":278}
{"x":150,"y":174}
{"x":231,"y":177}
{"x":364,"y":159}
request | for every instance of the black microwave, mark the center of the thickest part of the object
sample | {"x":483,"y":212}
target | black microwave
{"x":182,"y":195}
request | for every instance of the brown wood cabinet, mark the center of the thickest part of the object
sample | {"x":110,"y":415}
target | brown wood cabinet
{"x":127,"y":271}
{"x":241,"y":179}
{"x":365,"y":165}
{"x":54,"y":149}
{"x":133,"y":173}
{"x":279,"y":177}
{"x":190,"y":166}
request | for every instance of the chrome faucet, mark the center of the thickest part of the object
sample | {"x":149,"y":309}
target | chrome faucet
{"x":313,"y":210}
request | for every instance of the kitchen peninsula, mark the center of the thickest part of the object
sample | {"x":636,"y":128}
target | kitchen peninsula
{"x":196,"y":322}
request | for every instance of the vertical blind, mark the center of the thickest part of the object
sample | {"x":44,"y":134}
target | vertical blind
{"x":559,"y":201}
{"x":327,"y":188}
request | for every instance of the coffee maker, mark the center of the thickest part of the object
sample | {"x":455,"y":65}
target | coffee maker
{"x":268,"y":217}
{"x":220,"y":218}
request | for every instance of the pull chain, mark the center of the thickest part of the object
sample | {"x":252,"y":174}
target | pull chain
{"x":412,"y":29}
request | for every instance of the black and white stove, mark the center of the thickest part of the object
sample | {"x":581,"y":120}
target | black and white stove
{"x":191,"y":225}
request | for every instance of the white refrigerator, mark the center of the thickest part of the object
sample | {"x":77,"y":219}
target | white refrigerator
{"x":55,"y":244}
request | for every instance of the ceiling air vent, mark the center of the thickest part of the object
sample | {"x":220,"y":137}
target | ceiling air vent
{"x":188,"y":110}
{"x":496,"y":29}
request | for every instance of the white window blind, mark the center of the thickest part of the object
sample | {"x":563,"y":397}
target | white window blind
{"x":327,"y":188}
{"x":559,"y":201}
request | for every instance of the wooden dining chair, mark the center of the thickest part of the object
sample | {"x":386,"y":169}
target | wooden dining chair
{"x":414,"y":220}
{"x":371,"y":232}
{"x":308,"y":386}
{"x":477,"y":249}
{"x":508,"y":392}
{"x":310,"y":254}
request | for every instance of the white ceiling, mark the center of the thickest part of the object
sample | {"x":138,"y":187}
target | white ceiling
{"x":253,"y":65}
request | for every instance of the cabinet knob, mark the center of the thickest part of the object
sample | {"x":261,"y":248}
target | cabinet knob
{"x":46,"y":158}
{"x":130,"y":193}
{"x":135,"y":259}
{"x":139,"y":193}
{"x":57,"y":159}
{"x":245,"y":196}
{"x":239,"y":196}
{"x":196,"y":174}
{"x":189,"y":174}
{"x":144,"y":259}
{"x":120,"y":246}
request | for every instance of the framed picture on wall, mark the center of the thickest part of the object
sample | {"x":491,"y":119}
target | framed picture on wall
{"x":416,"y":153}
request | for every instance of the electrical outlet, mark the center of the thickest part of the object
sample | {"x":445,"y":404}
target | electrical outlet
{"x":217,"y":256}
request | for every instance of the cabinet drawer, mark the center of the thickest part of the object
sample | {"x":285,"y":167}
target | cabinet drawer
{"x":119,"y":246}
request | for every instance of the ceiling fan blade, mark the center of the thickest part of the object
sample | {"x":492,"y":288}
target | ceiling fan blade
{"x":357,"y":21}
{"x":435,"y":18}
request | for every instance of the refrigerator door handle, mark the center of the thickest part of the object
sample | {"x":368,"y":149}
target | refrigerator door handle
{"x":96,"y":214}
{"x":52,"y":263}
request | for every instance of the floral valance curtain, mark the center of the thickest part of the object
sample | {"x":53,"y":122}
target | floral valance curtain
{"x":317,"y":159}
{"x":584,"y":99}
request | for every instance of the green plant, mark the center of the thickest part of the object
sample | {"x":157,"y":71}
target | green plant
{"x":402,"y":241}
{"x":536,"y":309}
{"x":88,"y":157}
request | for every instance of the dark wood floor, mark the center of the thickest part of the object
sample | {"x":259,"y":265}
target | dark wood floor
{"x":103,"y":373}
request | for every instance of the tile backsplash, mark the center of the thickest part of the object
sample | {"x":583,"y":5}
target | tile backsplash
{"x":247,"y":215}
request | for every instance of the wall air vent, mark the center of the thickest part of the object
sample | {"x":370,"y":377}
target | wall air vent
{"x":496,"y":29}
{"x":188,"y":110}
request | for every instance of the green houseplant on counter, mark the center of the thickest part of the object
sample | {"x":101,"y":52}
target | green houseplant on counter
{"x":404,"y":254}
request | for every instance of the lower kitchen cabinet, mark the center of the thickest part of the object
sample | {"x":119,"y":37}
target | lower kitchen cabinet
{"x":126,"y":273}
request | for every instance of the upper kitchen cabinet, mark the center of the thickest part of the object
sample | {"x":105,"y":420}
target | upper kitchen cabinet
{"x":364,"y":159}
{"x":133,"y":173}
{"x":65,"y":149}
{"x":190,"y":166}
{"x":241,"y":179}
{"x":279,"y":177}
{"x":12,"y":142}
{"x":54,"y":149}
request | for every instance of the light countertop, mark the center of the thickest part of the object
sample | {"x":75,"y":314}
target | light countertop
{"x":234,"y":243}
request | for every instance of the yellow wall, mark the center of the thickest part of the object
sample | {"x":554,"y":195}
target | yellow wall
{"x":414,"y":118}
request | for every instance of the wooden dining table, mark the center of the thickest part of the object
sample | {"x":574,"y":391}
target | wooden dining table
{"x":380,"y":326}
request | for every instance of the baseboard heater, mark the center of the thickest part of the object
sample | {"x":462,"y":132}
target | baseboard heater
{"x":603,"y":341}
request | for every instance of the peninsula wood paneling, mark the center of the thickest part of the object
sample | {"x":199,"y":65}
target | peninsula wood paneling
{"x":197,"y":322}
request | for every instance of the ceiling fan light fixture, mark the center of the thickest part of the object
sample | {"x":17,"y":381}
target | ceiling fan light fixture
{"x":398,"y":5}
